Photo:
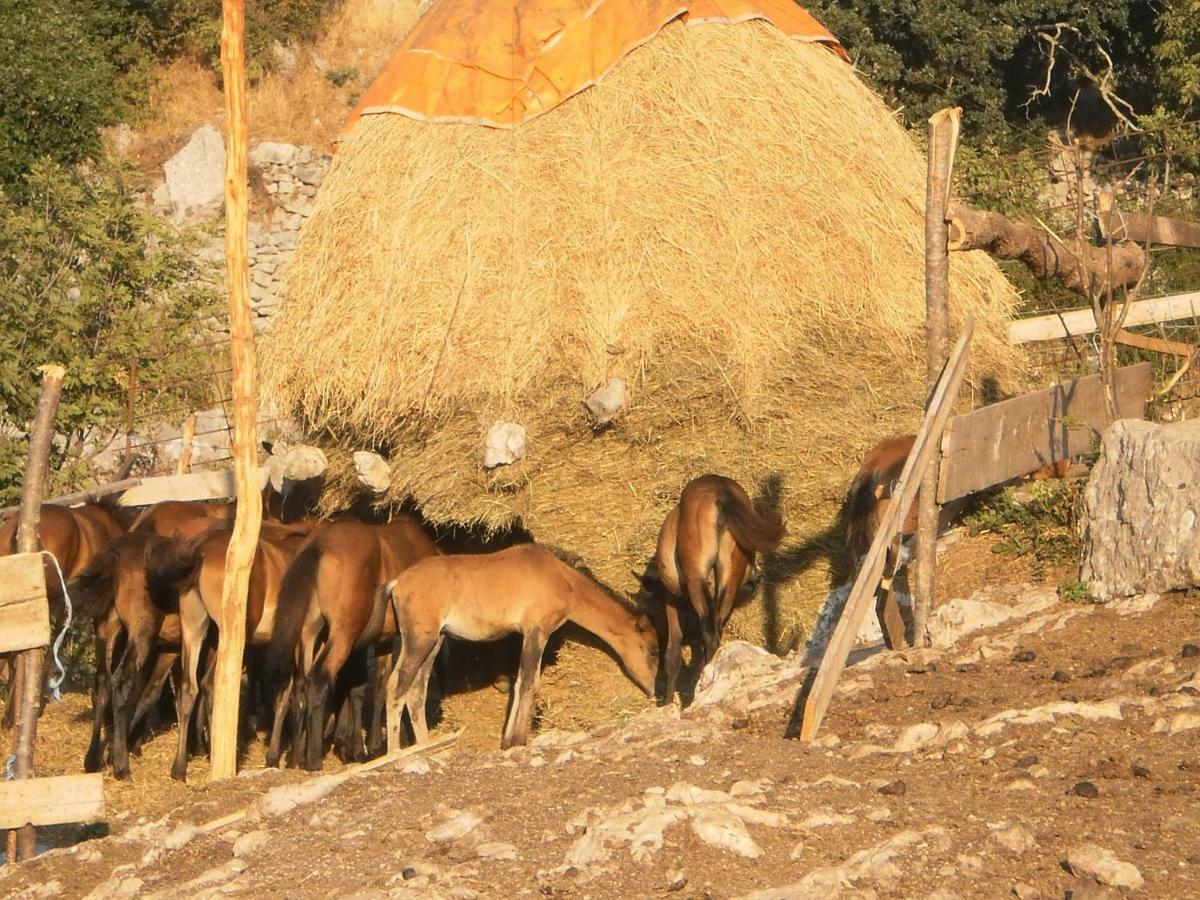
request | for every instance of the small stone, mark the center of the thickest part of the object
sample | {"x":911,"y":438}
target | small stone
{"x":249,"y":842}
{"x":894,"y":789}
{"x":1023,"y":891}
{"x":1190,"y":650}
{"x":941,"y":701}
{"x":1024,"y":762}
{"x":1061,"y":677}
{"x":1091,"y":861}
{"x":1023,"y":656}
{"x":1085,"y":789}
{"x":676,"y":881}
{"x":1139,"y":771}
{"x":408,"y":873}
{"x":1013,"y":836}
{"x":697,"y":761}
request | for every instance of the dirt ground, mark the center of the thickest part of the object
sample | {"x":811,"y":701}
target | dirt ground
{"x":1057,"y":731}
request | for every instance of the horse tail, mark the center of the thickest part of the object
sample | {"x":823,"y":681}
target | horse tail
{"x":295,"y":594}
{"x":92,"y":593}
{"x":173,"y":567}
{"x":757,"y":528}
{"x":860,"y":503}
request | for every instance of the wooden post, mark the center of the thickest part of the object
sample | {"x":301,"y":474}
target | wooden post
{"x":244,"y":541}
{"x":943,"y":140}
{"x":863,"y":592}
{"x":185,"y":446}
{"x":22,"y":844}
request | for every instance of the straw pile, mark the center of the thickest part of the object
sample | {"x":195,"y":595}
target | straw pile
{"x":730,"y":221}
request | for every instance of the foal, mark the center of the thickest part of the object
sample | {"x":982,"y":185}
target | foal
{"x":706,"y":554}
{"x":525,"y":589}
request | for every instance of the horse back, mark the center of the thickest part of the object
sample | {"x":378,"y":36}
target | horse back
{"x":871,"y":487}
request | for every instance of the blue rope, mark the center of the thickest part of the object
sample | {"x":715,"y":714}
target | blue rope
{"x":10,"y":770}
{"x":56,"y":682}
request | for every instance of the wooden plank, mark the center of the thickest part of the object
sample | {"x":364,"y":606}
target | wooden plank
{"x":51,"y":801}
{"x":1153,"y":344}
{"x":1162,"y":230}
{"x":24,"y":610}
{"x":216,"y":485}
{"x":1083,"y":321}
{"x":863,"y":591}
{"x":996,"y":443}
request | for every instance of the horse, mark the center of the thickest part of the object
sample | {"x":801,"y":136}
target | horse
{"x":333,"y":588}
{"x":705,"y":554}
{"x":73,"y":535}
{"x":525,"y":589}
{"x":194,"y":572}
{"x":176,"y":518}
{"x":866,"y":503}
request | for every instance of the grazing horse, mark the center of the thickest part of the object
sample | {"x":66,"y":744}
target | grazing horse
{"x":74,"y":535}
{"x":194,"y":572}
{"x":705,"y":554}
{"x":333,"y":587}
{"x":524,"y":589}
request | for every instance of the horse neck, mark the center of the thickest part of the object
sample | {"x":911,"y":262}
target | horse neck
{"x":600,"y":613}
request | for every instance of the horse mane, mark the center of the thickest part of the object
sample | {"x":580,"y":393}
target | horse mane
{"x":576,"y":562}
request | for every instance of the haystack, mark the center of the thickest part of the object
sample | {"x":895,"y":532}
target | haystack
{"x":537,"y":197}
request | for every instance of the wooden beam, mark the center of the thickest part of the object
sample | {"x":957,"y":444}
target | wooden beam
{"x":1082,"y":321}
{"x":227,"y":683}
{"x":1162,"y":230}
{"x":863,"y":591}
{"x":80,"y":497}
{"x":24,"y":610}
{"x":996,"y":443}
{"x":215,"y":485}
{"x":22,"y":844}
{"x":1153,"y":344}
{"x":944,"y":127}
{"x":51,"y":801}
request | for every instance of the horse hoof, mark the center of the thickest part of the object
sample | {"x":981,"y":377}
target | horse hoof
{"x":123,"y":774}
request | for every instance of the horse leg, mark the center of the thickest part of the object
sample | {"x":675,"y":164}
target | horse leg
{"x":129,"y":680}
{"x":520,"y":716}
{"x":384,"y":655}
{"x":671,"y":662}
{"x":93,"y":761}
{"x":413,"y":652}
{"x":194,"y":621}
{"x":887,"y":610}
{"x":349,"y":690}
{"x":335,"y":653}
{"x":698,"y":596}
{"x":275,"y":744}
{"x":418,"y":695}
{"x":164,"y":661}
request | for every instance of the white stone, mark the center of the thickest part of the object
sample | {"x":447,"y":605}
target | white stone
{"x":372,"y":470}
{"x":726,"y":831}
{"x":504,"y":444}
{"x":605,"y":402}
{"x":959,"y":617}
{"x":1185,"y":721}
{"x":270,"y":153}
{"x":196,"y":175}
{"x":1091,"y":861}
{"x":1135,"y":605}
{"x":826,"y":820}
{"x":457,"y":826}
{"x":1013,"y":836}
{"x":249,"y":842}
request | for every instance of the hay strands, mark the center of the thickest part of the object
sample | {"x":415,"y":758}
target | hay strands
{"x":863,"y":592}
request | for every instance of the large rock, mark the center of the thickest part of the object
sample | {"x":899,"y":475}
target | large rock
{"x":1143,"y":504}
{"x":196,"y":175}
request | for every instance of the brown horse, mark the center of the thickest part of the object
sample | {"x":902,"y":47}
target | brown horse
{"x":524,"y":589}
{"x":194,"y":571}
{"x":333,"y":588}
{"x":176,"y":518}
{"x":74,"y":535}
{"x":706,"y":554}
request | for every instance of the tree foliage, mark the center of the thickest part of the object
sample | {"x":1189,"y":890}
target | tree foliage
{"x":90,"y":280}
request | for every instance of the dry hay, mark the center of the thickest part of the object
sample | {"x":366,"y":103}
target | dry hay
{"x":730,"y":221}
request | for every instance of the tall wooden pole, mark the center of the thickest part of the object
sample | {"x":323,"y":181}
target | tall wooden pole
{"x":242,"y":545}
{"x":943,"y":140}
{"x":22,"y":844}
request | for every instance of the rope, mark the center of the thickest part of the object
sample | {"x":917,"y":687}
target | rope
{"x":10,"y":769}
{"x":56,"y":682}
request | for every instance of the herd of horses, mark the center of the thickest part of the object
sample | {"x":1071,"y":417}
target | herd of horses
{"x":345,"y":619}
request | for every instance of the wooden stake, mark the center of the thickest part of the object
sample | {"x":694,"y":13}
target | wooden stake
{"x":185,"y":446}
{"x":22,"y":844}
{"x":244,"y":541}
{"x":863,"y":591}
{"x":943,"y":140}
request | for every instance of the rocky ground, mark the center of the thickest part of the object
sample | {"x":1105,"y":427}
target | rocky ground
{"x":1040,"y":749}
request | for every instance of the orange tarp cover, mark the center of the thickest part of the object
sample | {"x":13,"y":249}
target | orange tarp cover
{"x":500,"y":62}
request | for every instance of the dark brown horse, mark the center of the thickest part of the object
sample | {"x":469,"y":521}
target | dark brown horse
{"x":334,"y":606}
{"x":74,"y":535}
{"x":194,"y":572}
{"x":705,"y":554}
{"x":526,"y":590}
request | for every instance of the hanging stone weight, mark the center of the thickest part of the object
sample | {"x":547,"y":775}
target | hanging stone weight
{"x":503,"y":445}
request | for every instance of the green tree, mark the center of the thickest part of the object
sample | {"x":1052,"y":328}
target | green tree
{"x":90,"y":280}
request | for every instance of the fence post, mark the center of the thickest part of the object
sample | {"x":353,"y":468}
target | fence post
{"x":22,"y":843}
{"x":943,"y":140}
{"x":244,"y":540}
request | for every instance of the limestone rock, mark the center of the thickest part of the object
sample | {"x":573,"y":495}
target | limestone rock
{"x":1013,"y":836}
{"x":960,"y":617}
{"x":1091,"y":861}
{"x":604,"y":403}
{"x":504,"y":444}
{"x":1143,"y":506}
{"x":273,"y":153}
{"x":373,"y":471}
{"x":196,"y":175}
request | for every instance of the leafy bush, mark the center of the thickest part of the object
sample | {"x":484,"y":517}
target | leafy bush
{"x":1040,"y":519}
{"x":92,"y":281}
